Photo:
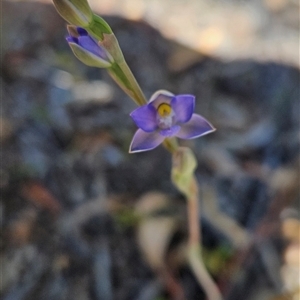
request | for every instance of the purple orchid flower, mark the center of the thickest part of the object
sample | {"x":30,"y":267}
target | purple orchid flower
{"x":86,"y":48}
{"x":167,"y":115}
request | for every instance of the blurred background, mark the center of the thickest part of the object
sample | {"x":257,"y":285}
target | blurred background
{"x":84,"y":220}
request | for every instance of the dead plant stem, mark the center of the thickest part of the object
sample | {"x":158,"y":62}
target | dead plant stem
{"x":194,"y":246}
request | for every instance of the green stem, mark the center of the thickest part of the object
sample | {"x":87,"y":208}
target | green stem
{"x":194,"y":246}
{"x":171,"y":144}
{"x":125,"y":79}
{"x":203,"y":277}
{"x":139,"y":96}
{"x":120,"y":71}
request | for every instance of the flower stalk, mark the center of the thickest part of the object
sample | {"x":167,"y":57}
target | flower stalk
{"x":123,"y":76}
{"x":171,"y":144}
{"x":184,"y":165}
{"x":120,"y":71}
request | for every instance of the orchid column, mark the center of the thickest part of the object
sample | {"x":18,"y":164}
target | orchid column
{"x":160,"y":120}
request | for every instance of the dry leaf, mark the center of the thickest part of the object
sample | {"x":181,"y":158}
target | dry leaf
{"x":291,"y":229}
{"x":154,"y":232}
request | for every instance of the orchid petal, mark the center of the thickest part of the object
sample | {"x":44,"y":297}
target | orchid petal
{"x":145,"y":118}
{"x":195,"y":127}
{"x":183,"y":106}
{"x":81,"y":31}
{"x":89,"y":44}
{"x":170,"y":131}
{"x":144,"y":141}
{"x":72,"y":39}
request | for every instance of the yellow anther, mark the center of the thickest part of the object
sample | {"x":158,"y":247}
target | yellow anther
{"x":164,"y":109}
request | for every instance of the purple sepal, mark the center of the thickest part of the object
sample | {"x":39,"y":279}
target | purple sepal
{"x":145,"y":118}
{"x":90,"y":45}
{"x":195,"y":127}
{"x":143,"y":141}
{"x":183,"y":106}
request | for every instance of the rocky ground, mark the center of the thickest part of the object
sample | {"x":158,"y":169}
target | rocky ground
{"x":83,"y":219}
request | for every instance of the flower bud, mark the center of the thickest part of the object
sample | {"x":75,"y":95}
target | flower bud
{"x":86,"y":48}
{"x":76,"y":12}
